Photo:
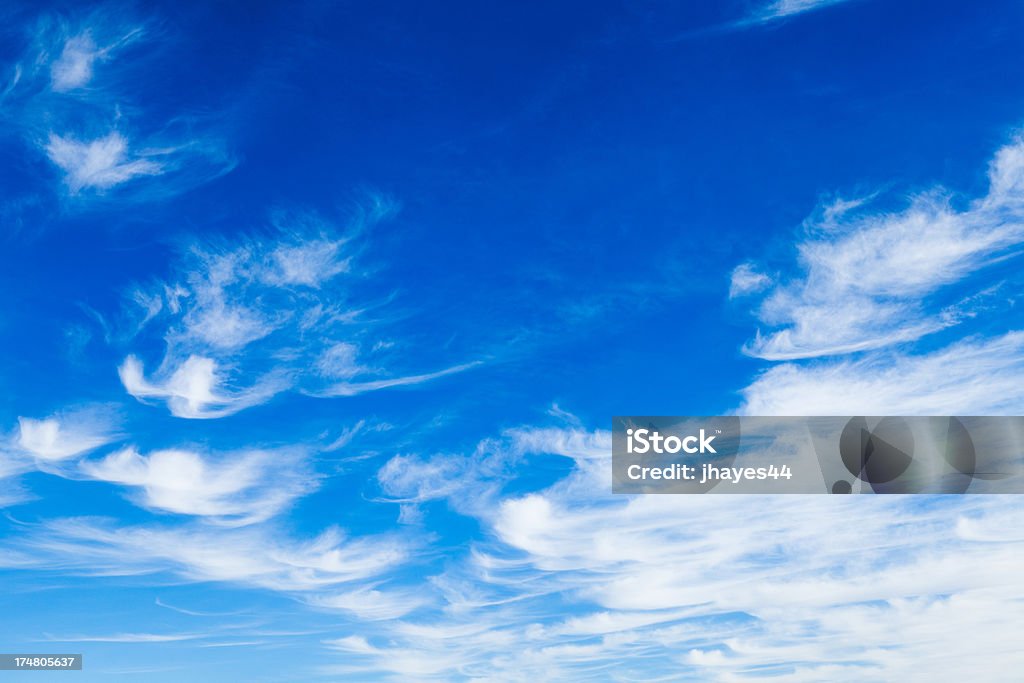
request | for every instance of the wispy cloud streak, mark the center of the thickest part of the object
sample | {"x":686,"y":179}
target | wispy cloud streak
{"x":867,"y":276}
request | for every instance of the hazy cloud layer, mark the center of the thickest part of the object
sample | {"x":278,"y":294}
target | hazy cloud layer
{"x":711,"y":591}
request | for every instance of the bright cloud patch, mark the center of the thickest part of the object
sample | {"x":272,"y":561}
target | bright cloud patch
{"x":74,"y":67}
{"x":193,"y":389}
{"x":99,"y":164}
{"x":64,"y":436}
{"x":747,"y":280}
{"x":240,"y":488}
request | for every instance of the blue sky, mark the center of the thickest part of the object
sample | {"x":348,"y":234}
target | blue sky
{"x":317,"y":315}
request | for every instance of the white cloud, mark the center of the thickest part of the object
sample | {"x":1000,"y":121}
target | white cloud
{"x":866,"y":278}
{"x":585,"y":585}
{"x":236,"y":489}
{"x":253,"y":556}
{"x":215,"y":301}
{"x":78,"y":115}
{"x":63,"y":436}
{"x":773,"y":558}
{"x":355,"y":644}
{"x":355,"y":388}
{"x":971,"y":377}
{"x":573,"y":582}
{"x":564,"y":415}
{"x":472,"y":482}
{"x":747,"y":280}
{"x":277,"y":307}
{"x":12,"y":464}
{"x":867,"y":284}
{"x":412,"y":479}
{"x":308,"y":263}
{"x":125,"y":638}
{"x":764,"y":12}
{"x":193,"y":388}
{"x":339,"y":361}
{"x":346,"y":437}
{"x":73,"y":68}
{"x":230,"y":297}
{"x":868,"y":281}
{"x":579,"y":444}
{"x":100,"y":164}
{"x":788,"y":8}
{"x":371,"y":604}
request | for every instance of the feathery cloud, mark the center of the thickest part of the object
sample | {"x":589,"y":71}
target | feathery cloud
{"x":253,"y":556}
{"x":580,"y":583}
{"x":101,"y":163}
{"x":787,"y":8}
{"x":355,"y":388}
{"x":66,"y":435}
{"x":746,"y":280}
{"x":90,"y":128}
{"x":193,"y":388}
{"x":73,"y":68}
{"x":971,"y":377}
{"x":278,"y":308}
{"x":236,"y":489}
{"x":866,"y":280}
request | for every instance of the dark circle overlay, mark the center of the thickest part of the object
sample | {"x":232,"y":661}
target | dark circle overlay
{"x":884,"y":457}
{"x":842,"y":486}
